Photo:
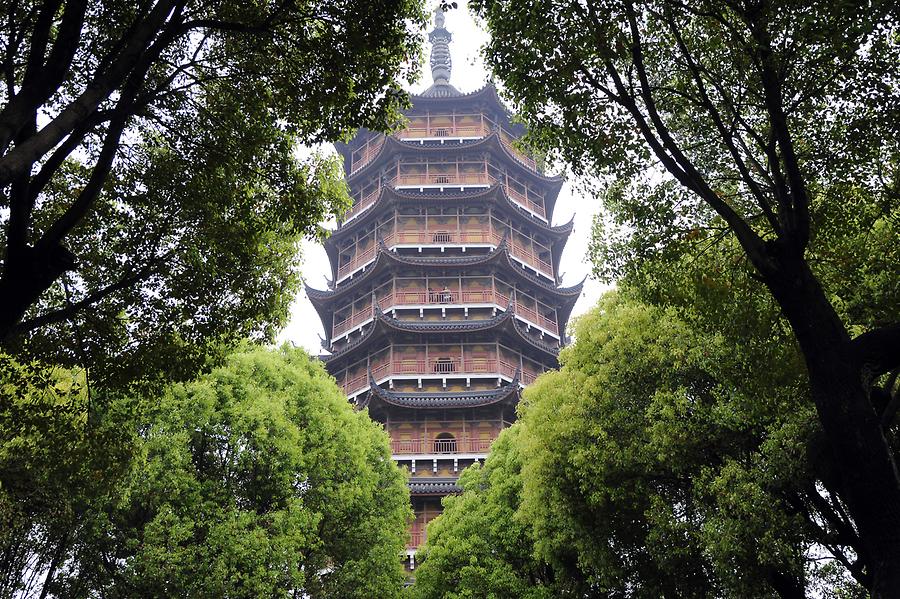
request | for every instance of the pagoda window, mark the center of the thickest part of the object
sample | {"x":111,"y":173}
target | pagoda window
{"x":445,"y":443}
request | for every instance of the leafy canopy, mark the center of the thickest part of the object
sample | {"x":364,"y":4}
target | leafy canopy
{"x":480,"y":546}
{"x":753,"y":121}
{"x":152,"y":196}
{"x":257,"y":479}
{"x":659,"y":461}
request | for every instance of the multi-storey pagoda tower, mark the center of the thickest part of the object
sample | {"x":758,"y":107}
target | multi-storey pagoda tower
{"x":445,"y":298}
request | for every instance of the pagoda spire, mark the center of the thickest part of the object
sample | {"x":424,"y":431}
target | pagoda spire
{"x":441,"y":63}
{"x":440,"y":50}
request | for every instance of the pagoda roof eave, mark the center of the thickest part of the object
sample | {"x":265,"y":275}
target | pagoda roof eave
{"x":388,"y":152}
{"x":379,"y":397}
{"x":564,"y":310}
{"x":323,"y":309}
{"x":383,"y":256}
{"x":551,"y":195}
{"x":486,"y":91}
{"x":389,"y":196}
{"x":504,"y":323}
{"x":558,"y":245}
{"x":434,"y":487}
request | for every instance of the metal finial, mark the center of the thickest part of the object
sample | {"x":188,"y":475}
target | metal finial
{"x":440,"y":50}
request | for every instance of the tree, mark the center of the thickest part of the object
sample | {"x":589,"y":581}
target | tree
{"x":661,"y":461}
{"x":257,"y":479}
{"x":59,"y":459}
{"x":152,"y":195}
{"x":479,"y":546}
{"x":751,"y":109}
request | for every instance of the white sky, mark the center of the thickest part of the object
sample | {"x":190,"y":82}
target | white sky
{"x":468,"y":74}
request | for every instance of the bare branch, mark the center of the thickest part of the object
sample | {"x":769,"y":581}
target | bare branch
{"x":725,"y":133}
{"x":73,"y":308}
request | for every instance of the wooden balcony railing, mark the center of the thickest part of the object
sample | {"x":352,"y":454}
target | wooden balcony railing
{"x":463,"y":444}
{"x":438,"y":366}
{"x":534,"y":204}
{"x":361,"y":206}
{"x":440,"y":237}
{"x":358,"y":261}
{"x":355,"y":383}
{"x":364,"y":155}
{"x":354,"y":320}
{"x":441,"y":365}
{"x":529,"y":256}
{"x":438,"y":296}
{"x":442,"y":179}
{"x":531,"y":201}
{"x":424,"y":297}
{"x":436,"y":131}
{"x":517,"y":154}
{"x":535,"y":317}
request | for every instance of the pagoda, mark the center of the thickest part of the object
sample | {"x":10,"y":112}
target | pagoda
{"x":445,"y":298}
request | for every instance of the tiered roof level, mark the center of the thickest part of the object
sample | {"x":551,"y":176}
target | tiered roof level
{"x":445,"y":297}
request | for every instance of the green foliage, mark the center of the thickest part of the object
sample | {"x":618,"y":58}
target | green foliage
{"x":634,"y":449}
{"x":750,"y":174}
{"x":256,"y":480}
{"x":665,"y":458}
{"x":60,"y":458}
{"x":479,"y":546}
{"x":557,"y":62}
{"x":188,"y":236}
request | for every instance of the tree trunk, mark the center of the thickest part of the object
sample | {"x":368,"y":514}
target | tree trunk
{"x":869,"y":479}
{"x":28,"y":274}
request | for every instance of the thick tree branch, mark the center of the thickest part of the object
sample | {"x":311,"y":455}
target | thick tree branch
{"x":796,"y":210}
{"x":73,"y":308}
{"x":877,"y":352}
{"x":124,"y":109}
{"x":668,"y":152}
{"x":22,"y":157}
{"x":20,"y":208}
{"x":42,"y":79}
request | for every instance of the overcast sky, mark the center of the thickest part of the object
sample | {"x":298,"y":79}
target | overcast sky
{"x":468,"y":74}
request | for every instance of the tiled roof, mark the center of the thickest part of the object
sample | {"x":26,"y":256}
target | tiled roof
{"x":467,"y":399}
{"x":503,"y":321}
{"x":435,"y":486}
{"x":392,"y":145}
{"x":567,"y":296}
{"x":441,"y":91}
{"x":431,"y":326}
